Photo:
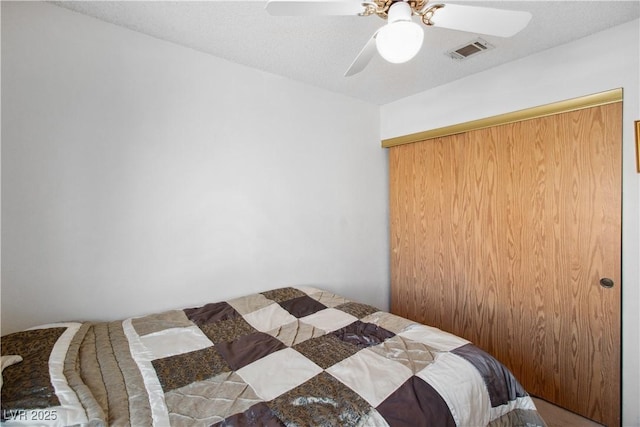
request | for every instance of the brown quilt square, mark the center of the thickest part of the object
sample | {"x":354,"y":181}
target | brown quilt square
{"x":326,"y":351}
{"x":357,"y":310}
{"x":416,"y":403}
{"x":227,"y":330}
{"x":321,"y":401}
{"x":160,"y":321}
{"x":182,"y":369}
{"x":283,"y":294}
{"x":27,"y":385}
{"x":248,"y":348}
{"x":362,"y":334}
{"x":302,"y":306}
{"x":211,"y":313}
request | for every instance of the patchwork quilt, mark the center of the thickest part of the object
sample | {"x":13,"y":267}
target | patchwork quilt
{"x":295,"y":356}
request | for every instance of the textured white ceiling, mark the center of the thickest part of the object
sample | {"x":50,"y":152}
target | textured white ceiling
{"x":318,"y":50}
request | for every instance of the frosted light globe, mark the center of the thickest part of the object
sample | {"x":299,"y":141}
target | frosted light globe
{"x":399,"y":41}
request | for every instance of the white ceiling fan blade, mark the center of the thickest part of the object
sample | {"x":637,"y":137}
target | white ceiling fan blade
{"x":482,"y":20}
{"x":314,"y":7}
{"x":364,"y":57}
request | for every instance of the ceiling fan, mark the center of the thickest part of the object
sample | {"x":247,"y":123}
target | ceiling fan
{"x":401,"y":38}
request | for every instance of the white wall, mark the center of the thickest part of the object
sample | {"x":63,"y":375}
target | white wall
{"x":138,"y":175}
{"x":604,"y":61}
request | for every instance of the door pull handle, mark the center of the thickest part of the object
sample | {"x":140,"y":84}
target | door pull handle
{"x":605,"y":282}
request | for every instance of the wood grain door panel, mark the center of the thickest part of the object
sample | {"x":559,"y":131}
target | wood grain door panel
{"x":501,"y":235}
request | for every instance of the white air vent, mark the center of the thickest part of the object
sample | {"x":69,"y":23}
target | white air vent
{"x":469,"y":49}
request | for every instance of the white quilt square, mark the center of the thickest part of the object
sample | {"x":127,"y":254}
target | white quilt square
{"x":271,"y":317}
{"x":247,"y":304}
{"x":433,"y":337}
{"x":309,"y":290}
{"x":370,"y":375}
{"x":329,"y":319}
{"x":461,"y":386}
{"x":267,"y":378}
{"x":328,"y":299}
{"x":170,"y":342}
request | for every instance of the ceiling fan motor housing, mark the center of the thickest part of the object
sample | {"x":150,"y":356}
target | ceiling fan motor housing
{"x":399,"y":11}
{"x":382,"y":7}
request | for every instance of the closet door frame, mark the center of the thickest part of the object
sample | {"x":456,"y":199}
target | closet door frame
{"x":574,"y":104}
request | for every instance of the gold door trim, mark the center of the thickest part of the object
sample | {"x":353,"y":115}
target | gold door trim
{"x":588,"y":101}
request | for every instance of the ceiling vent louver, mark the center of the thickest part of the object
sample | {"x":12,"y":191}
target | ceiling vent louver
{"x":469,"y":49}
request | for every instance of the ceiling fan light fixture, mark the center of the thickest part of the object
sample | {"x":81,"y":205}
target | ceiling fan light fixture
{"x":401,"y":39}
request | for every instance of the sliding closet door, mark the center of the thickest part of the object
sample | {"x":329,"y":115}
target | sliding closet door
{"x":510,"y":237}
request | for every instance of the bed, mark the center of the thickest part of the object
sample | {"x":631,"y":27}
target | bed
{"x":295,"y":356}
